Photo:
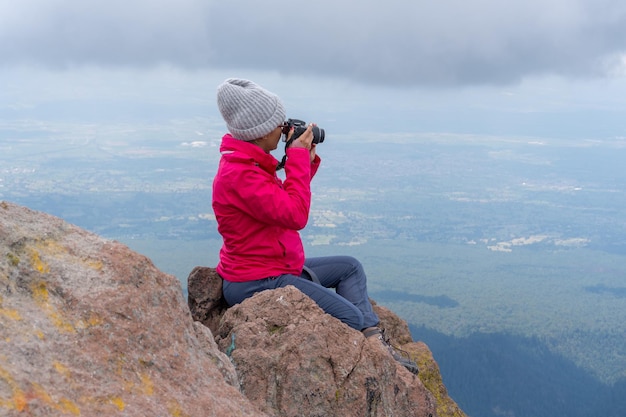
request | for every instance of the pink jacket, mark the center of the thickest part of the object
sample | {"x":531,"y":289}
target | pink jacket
{"x":258,"y":215}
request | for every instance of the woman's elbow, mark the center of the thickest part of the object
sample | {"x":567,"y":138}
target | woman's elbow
{"x":299,"y":221}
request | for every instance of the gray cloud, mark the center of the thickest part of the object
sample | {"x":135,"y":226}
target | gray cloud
{"x":395,"y":43}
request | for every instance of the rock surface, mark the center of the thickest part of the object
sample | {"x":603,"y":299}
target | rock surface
{"x":294,"y":360}
{"x":90,"y":328}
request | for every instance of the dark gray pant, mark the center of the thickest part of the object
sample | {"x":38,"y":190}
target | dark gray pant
{"x":349,"y":302}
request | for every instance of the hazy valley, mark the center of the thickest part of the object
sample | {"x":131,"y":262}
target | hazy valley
{"x":511,"y":251}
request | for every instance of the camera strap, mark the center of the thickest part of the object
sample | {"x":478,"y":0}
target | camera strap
{"x":281,"y":164}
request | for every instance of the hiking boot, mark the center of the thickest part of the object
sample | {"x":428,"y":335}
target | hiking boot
{"x":404,"y":361}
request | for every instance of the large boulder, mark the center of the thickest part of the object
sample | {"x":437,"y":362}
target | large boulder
{"x":295,"y":360}
{"x":90,"y":328}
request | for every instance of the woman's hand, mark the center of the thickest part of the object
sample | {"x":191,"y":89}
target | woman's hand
{"x":305,"y":140}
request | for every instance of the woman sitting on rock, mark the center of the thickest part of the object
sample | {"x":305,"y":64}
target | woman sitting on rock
{"x":259,"y":215}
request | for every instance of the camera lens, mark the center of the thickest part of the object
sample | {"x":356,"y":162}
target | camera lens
{"x":318,"y":135}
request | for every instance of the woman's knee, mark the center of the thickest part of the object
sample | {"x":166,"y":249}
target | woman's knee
{"x":356,"y":322}
{"x":354,"y":263}
{"x":349,"y":260}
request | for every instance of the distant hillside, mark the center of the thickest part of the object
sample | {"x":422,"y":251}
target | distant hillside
{"x":493,"y":375}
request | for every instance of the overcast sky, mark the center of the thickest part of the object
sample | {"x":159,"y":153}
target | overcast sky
{"x":410,"y":58}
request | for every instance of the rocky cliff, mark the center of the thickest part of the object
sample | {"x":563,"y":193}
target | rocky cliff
{"x":90,"y":328}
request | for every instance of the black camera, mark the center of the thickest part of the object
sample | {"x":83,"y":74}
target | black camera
{"x":299,"y":128}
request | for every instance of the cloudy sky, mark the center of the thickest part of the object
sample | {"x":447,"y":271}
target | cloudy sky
{"x":549,"y":67}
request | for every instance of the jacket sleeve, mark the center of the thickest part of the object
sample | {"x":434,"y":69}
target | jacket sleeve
{"x":315,"y":165}
{"x":263,"y":197}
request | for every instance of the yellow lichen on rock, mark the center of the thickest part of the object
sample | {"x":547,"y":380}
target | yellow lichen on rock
{"x":9,"y":312}
{"x":61,"y":369}
{"x":53,"y":248}
{"x":36,"y":393}
{"x":50,"y":247}
{"x":431,"y":378}
{"x":18,"y":399}
{"x":68,"y":406}
{"x":37,"y":263}
{"x":144,"y":386}
{"x":147,"y":386}
{"x":40,"y":293}
{"x":118,"y":402}
{"x":104,"y":403}
{"x":41,"y":296}
{"x":64,"y":405}
{"x":94,"y":264}
{"x":175,"y":409}
{"x":92,"y":320}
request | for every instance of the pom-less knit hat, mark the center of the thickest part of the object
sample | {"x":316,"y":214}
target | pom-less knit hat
{"x":249,"y":110}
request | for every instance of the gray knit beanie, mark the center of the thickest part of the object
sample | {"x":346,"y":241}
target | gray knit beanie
{"x":249,"y":110}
